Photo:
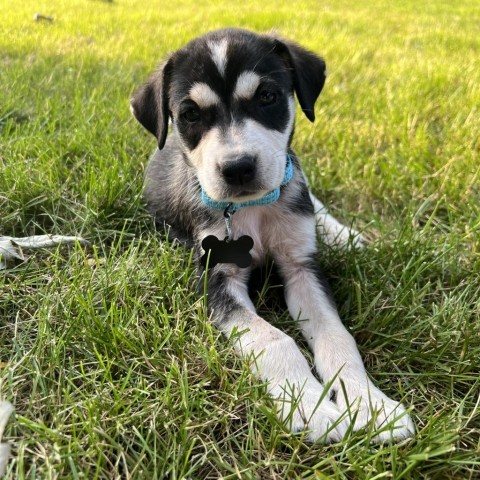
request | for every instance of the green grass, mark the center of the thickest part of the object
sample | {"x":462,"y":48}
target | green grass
{"x":109,"y":357}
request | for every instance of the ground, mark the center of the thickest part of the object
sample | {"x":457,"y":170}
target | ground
{"x":107,"y":353}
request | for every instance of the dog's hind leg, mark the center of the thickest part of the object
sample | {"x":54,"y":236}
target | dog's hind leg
{"x":302,"y":401}
{"x":331,"y":230}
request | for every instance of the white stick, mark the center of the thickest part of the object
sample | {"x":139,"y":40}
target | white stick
{"x":6,"y":410}
{"x":11,"y":247}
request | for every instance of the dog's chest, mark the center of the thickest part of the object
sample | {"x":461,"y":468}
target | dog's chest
{"x":273,"y":232}
{"x":251,"y":223}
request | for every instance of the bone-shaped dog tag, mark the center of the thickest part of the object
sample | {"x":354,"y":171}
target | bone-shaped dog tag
{"x":227,"y":251}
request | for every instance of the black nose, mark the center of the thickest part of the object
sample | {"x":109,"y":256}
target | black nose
{"x":239,"y":171}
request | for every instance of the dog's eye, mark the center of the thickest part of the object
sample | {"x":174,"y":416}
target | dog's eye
{"x":267,"y":98}
{"x":192,"y":115}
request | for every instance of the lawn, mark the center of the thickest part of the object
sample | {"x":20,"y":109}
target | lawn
{"x":108,"y":355}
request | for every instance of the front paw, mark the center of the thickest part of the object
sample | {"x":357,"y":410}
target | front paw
{"x":366,"y":402}
{"x":307,"y":408}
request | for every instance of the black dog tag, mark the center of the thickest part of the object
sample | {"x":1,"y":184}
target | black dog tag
{"x":227,"y":251}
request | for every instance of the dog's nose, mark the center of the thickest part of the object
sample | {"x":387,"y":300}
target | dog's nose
{"x":239,"y":171}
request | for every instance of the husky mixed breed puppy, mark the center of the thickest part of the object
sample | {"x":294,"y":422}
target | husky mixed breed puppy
{"x":227,"y":183}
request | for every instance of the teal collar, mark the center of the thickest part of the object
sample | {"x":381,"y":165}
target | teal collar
{"x":267,"y":199}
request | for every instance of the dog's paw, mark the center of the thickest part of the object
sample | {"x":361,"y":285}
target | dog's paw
{"x":364,"y":403}
{"x":346,"y":237}
{"x":306,"y":408}
{"x":336,"y":235}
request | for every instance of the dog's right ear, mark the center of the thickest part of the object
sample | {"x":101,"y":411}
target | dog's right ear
{"x":149,"y":104}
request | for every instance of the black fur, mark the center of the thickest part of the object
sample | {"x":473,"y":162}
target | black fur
{"x":301,"y":203}
{"x":171,"y":183}
{"x":322,"y":280}
{"x":309,"y":74}
{"x":219,"y":299}
{"x":290,"y":66}
{"x":150,"y":104}
{"x":212,"y":130}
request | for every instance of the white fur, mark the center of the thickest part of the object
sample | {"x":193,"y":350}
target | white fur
{"x":302,"y":400}
{"x":246,"y":86}
{"x":336,"y":355}
{"x":331,"y":230}
{"x":203,"y":95}
{"x":218,"y":51}
{"x":248,"y":138}
{"x":290,"y":238}
{"x":276,"y":359}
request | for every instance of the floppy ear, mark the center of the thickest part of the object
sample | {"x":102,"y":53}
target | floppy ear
{"x":149,"y":104}
{"x":308,"y":71}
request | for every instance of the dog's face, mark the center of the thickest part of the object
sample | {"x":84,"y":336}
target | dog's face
{"x":230,"y":96}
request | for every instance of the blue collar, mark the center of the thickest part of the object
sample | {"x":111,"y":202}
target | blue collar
{"x":267,"y":199}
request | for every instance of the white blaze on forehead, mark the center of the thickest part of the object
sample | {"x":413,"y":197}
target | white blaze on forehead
{"x":247,"y":84}
{"x":218,"y":50}
{"x":203,"y":95}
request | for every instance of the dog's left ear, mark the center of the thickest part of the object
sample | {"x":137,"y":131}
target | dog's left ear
{"x":149,"y":104}
{"x":309,"y":73}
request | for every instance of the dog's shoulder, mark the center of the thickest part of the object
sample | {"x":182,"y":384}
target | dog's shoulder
{"x":296,"y":195}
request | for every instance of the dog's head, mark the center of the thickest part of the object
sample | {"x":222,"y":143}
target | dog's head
{"x":230,"y":97}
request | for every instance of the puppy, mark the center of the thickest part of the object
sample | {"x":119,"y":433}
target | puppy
{"x":227,"y":183}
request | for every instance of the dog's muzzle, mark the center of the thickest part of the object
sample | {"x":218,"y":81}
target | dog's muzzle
{"x":267,"y":199}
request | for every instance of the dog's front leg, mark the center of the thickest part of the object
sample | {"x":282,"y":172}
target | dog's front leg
{"x":274,"y":356}
{"x":337,"y":358}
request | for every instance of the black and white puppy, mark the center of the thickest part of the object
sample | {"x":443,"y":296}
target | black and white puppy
{"x":230,"y":98}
